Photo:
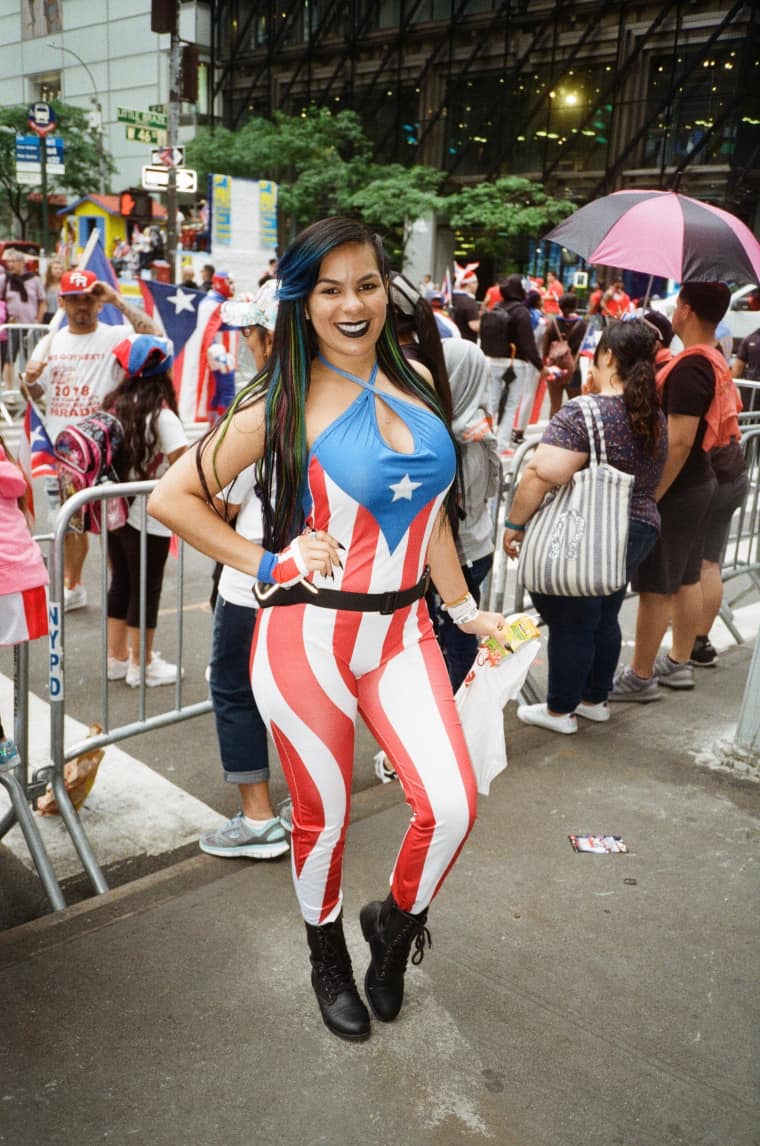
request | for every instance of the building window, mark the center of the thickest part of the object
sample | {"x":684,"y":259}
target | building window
{"x":40,"y":18}
{"x":45,"y":86}
{"x":687,"y":113}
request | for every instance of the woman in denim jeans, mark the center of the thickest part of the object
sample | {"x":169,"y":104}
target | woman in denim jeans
{"x":584,"y":632}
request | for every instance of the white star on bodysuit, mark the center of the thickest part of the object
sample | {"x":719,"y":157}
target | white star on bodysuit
{"x":404,"y":488}
{"x":181,"y":302}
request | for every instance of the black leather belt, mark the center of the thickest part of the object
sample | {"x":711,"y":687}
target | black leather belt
{"x":384,"y":603}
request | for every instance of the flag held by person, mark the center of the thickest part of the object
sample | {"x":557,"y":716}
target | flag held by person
{"x":191,"y":320}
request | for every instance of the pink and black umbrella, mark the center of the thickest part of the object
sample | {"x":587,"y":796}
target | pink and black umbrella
{"x":662,"y":233}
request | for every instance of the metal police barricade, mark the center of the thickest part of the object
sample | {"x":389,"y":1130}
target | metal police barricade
{"x":21,"y":340}
{"x":15,"y":780}
{"x":499,"y":576}
{"x":741,"y":555}
{"x":499,"y":579}
{"x":750,"y":392}
{"x":60,"y":753}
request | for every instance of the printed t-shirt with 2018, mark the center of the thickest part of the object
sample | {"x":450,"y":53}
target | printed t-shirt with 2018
{"x":79,"y":372}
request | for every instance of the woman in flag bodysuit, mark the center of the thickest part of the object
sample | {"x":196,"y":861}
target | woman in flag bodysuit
{"x":357,"y":465}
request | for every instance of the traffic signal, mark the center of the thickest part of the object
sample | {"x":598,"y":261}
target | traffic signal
{"x":135,"y":204}
{"x":163,"y":15}
{"x":188,"y":81}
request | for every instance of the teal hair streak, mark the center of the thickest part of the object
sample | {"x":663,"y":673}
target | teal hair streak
{"x":284,"y":476}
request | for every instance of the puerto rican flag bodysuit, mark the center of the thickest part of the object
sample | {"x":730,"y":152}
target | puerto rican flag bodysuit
{"x":313,"y":669}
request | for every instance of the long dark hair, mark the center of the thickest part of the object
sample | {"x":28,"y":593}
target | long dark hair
{"x":633,"y":345}
{"x":137,"y":402}
{"x":284,"y":382}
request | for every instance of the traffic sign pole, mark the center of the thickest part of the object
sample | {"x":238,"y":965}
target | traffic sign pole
{"x":172,"y":131}
{"x":43,"y":172}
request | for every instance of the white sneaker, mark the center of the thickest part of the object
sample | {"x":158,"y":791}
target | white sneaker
{"x":599,"y":713}
{"x":75,"y":598}
{"x":117,"y":670}
{"x":157,"y":672}
{"x":539,"y":714}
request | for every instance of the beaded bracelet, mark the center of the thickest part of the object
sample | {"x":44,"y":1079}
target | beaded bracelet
{"x":511,"y":525}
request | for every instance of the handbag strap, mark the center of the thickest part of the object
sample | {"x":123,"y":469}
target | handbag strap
{"x":593,"y":418}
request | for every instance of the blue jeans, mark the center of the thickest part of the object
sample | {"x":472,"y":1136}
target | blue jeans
{"x":459,"y":649}
{"x":584,"y":634}
{"x":241,"y":732}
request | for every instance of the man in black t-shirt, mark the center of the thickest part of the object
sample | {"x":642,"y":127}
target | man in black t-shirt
{"x":747,"y":365}
{"x":464,"y":308}
{"x":668,"y":579}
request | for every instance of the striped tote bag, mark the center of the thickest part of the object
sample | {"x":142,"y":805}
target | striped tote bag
{"x":575,"y":543}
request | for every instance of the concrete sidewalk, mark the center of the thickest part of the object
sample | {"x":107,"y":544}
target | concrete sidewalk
{"x":567,"y":1000}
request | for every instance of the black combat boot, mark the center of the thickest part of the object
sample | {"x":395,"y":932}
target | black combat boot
{"x":332,"y":978}
{"x":390,"y":933}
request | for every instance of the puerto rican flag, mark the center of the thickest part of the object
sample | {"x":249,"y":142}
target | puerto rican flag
{"x":94,"y":259}
{"x":191,"y":320}
{"x":36,"y":446}
{"x":36,"y":455}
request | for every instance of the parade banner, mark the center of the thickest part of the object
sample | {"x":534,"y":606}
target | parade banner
{"x":243,"y":223}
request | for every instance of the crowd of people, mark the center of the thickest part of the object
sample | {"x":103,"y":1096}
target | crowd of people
{"x":346,"y":493}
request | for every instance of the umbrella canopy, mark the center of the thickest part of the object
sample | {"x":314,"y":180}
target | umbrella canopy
{"x":662,"y":233}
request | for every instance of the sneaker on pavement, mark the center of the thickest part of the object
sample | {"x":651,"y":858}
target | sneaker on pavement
{"x":540,"y":715}
{"x":236,"y":838}
{"x":117,"y":670}
{"x":285,"y":813}
{"x":674,"y":674}
{"x":384,"y":770}
{"x":157,"y":672}
{"x":9,"y":756}
{"x":75,"y":598}
{"x":599,"y":713}
{"x":704,"y":654}
{"x":628,"y":686}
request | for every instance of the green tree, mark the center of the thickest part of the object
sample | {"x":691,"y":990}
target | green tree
{"x":498,"y":214}
{"x":393,"y":197}
{"x":80,"y":159}
{"x":317,"y":159}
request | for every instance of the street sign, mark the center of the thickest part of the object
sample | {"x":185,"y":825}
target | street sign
{"x":41,"y":118}
{"x":137,"y":134}
{"x":157,"y":179}
{"x":28,"y":159}
{"x":142,"y":118}
{"x":169,"y":156}
{"x":28,"y":149}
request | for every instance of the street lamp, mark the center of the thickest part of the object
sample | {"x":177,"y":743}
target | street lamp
{"x":97,"y":121}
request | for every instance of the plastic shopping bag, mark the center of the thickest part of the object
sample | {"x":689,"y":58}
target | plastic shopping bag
{"x":481,"y":698}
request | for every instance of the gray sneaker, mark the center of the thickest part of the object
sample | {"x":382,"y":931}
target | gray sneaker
{"x":628,"y":686}
{"x":674,"y":674}
{"x":235,"y":839}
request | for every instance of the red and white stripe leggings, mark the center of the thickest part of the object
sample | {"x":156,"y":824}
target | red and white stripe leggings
{"x":312,"y":671}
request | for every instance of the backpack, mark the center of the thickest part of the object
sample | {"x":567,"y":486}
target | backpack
{"x":560,"y":356}
{"x":495,"y":328}
{"x":86,"y":455}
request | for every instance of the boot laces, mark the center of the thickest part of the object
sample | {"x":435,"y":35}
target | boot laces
{"x":397,"y":952}
{"x":334,"y":975}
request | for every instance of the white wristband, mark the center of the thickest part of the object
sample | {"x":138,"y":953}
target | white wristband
{"x":464,"y":611}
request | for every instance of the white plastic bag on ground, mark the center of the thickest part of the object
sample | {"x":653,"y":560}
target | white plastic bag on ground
{"x":480,"y":702}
